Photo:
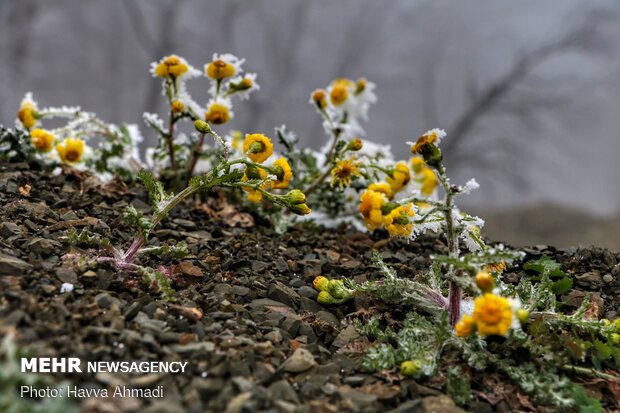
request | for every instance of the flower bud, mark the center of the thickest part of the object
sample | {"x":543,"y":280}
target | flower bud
{"x":615,"y":338}
{"x":432,"y":156}
{"x":320,"y":283}
{"x":410,"y":368}
{"x":522,"y":315}
{"x":300,"y":209}
{"x":295,"y":196}
{"x":202,"y":126}
{"x":325,"y":298}
{"x":355,"y":144}
{"x":484,"y":281}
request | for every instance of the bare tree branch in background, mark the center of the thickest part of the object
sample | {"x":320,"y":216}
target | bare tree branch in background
{"x":154,"y":46}
{"x":489,"y":99}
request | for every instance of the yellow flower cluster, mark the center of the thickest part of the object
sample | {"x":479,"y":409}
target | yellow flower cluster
{"x":398,"y":221}
{"x":330,"y":291}
{"x":69,"y":151}
{"x":492,"y":316}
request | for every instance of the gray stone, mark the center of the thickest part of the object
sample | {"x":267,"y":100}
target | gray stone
{"x":308,"y":292}
{"x":608,"y":278}
{"x":300,"y":360}
{"x":346,"y":336}
{"x":43,"y":246}
{"x":12,"y":265}
{"x":9,"y":228}
{"x":328,"y":318}
{"x":590,"y":279}
{"x":282,"y":293}
{"x":282,"y":390}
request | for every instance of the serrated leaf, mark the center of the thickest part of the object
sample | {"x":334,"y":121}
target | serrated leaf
{"x":543,"y":265}
{"x":562,"y":286}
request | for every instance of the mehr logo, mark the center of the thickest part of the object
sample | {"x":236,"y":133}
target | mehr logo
{"x":51,"y":365}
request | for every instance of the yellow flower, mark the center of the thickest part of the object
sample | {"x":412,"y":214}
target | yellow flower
{"x":400,"y":176}
{"x":283,"y":173}
{"x":429,"y":181}
{"x":370,"y":208}
{"x":344,"y":171}
{"x":218,"y":114}
{"x":465,"y":326}
{"x":71,"y":150}
{"x":492,"y":314}
{"x":42,"y":140}
{"x":382,"y":187}
{"x":177,"y":106}
{"x":258,"y":147}
{"x":171,"y":66}
{"x":27,"y":114}
{"x":398,"y":221}
{"x":417,"y":163}
{"x":496,"y":267}
{"x":319,"y":97}
{"x":254,"y":195}
{"x":484,"y":281}
{"x":219,"y":69}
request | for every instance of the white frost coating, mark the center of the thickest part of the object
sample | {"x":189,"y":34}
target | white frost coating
{"x":66,"y":288}
{"x":470,"y":186}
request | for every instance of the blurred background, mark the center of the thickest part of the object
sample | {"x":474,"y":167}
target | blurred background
{"x":527,"y":90}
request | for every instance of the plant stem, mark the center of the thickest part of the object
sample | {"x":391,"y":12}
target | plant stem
{"x":454,"y":297}
{"x":169,"y":140}
{"x":195,"y":156}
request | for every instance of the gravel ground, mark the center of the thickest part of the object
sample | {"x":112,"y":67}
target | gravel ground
{"x":245,"y":316}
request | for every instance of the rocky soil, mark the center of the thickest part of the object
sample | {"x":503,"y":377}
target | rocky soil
{"x":245,"y":314}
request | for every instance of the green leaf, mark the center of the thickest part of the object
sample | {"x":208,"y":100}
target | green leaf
{"x":545,"y":265}
{"x":562,"y":286}
{"x":458,"y":385}
{"x":157,"y":195}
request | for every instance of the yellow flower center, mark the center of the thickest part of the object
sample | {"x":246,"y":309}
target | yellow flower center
{"x":218,"y":114}
{"x":219,"y":69}
{"x":320,"y":98}
{"x":339,"y":94}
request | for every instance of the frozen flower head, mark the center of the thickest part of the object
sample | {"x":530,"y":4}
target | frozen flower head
{"x":344,"y":171}
{"x":171,"y":66}
{"x":177,"y":106}
{"x":400,"y":176}
{"x":219,"y":111}
{"x":284,"y":174}
{"x":319,"y":98}
{"x":28,"y":112}
{"x":42,"y":140}
{"x":492,"y":314}
{"x":398,"y":221}
{"x":371,"y":203}
{"x":258,"y":147}
{"x":340,"y":90}
{"x":382,"y":187}
{"x":432,"y":137}
{"x":71,"y":150}
{"x":255,"y":195}
{"x":223,"y":66}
